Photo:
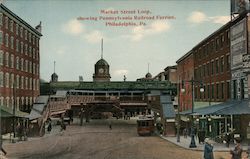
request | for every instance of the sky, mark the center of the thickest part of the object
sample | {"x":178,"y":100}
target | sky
{"x":75,"y":43}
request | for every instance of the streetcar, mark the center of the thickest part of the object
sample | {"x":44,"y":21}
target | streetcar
{"x":145,"y":125}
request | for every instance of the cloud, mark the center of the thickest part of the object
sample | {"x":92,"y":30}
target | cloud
{"x":73,"y":27}
{"x":94,"y":36}
{"x":220,"y":19}
{"x":61,"y":50}
{"x":121,"y":72}
{"x":140,"y":32}
{"x":198,"y":17}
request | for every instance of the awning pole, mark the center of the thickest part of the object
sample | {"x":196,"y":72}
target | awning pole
{"x":225,"y":127}
{"x":231,"y":122}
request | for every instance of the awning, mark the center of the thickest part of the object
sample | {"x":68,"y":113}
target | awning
{"x":34,"y":114}
{"x":242,"y":107}
{"x":214,"y":108}
{"x":8,"y":112}
{"x":168,"y":110}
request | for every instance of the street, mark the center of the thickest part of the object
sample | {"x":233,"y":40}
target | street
{"x":95,"y":140}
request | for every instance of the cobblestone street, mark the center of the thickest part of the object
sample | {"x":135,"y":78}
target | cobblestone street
{"x":96,"y":141}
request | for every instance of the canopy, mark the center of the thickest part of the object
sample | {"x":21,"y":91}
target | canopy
{"x":232,"y":107}
{"x":8,"y":112}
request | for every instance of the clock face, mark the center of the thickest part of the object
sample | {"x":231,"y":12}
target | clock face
{"x":101,"y":70}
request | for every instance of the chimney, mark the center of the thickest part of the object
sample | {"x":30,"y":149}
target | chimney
{"x":39,"y":27}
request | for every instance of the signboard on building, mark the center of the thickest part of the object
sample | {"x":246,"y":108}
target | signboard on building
{"x":238,"y":44}
{"x":246,"y":63}
{"x":239,"y":6}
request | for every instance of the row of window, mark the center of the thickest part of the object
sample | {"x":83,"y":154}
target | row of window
{"x":213,"y":46}
{"x":9,"y":101}
{"x":9,"y":80}
{"x":18,"y":30}
{"x":217,"y":66}
{"x":20,"y":46}
{"x":18,"y":63}
{"x":214,"y":91}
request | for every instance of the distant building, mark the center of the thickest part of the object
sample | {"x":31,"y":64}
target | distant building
{"x":170,"y":74}
{"x":101,"y":71}
{"x":19,"y":61}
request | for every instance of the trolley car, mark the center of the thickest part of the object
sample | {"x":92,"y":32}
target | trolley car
{"x":145,"y":125}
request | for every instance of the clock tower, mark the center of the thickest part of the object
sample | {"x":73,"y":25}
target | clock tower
{"x":101,"y":70}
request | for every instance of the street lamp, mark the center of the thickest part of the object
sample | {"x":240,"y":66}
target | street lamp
{"x":192,"y":81}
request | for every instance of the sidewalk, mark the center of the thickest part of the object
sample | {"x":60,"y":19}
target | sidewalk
{"x":185,"y":142}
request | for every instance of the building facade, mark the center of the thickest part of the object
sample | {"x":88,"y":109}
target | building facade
{"x":19,"y":61}
{"x":212,"y":67}
{"x":185,"y":73}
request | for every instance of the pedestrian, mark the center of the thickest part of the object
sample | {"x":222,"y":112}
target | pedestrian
{"x":237,"y":151}
{"x":49,"y":127}
{"x":208,"y":149}
{"x":1,"y":144}
{"x":227,"y":139}
{"x":110,"y":125}
{"x":248,"y":151}
{"x":185,"y":133}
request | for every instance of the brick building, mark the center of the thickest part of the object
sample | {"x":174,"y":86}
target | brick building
{"x":19,"y":61}
{"x":212,"y":67}
{"x":185,"y":72}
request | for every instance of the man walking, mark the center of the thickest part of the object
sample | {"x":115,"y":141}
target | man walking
{"x":1,"y":144}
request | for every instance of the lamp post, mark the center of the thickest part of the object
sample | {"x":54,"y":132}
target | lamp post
{"x":178,"y":114}
{"x":192,"y":81}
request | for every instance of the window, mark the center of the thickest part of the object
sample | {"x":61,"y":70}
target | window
{"x":21,"y":49}
{"x":22,"y":82}
{"x":26,"y":49}
{"x":208,"y":91}
{"x":1,"y":58}
{"x":17,"y":29}
{"x":217,"y":90}
{"x":17,"y":63}
{"x":30,"y":82}
{"x":21,"y":32}
{"x":25,"y":34}
{"x":37,"y":84}
{"x":26,"y":83}
{"x":11,"y":25}
{"x":217,"y":44}
{"x":228,"y":62}
{"x":6,"y":22}
{"x":7,"y":59}
{"x":1,"y":37}
{"x":242,"y":87}
{"x":7,"y":80}
{"x":12,"y":61}
{"x":29,"y":37}
{"x":212,"y":67}
{"x":17,"y":45}
{"x":21,"y":64}
{"x":234,"y":89}
{"x":217,"y":66}
{"x":204,"y":70}
{"x":33,"y":40}
{"x":222,"y":64}
{"x":30,"y":67}
{"x":30,"y":51}
{"x":212,"y":87}
{"x":34,"y":53}
{"x":1,"y":79}
{"x":221,"y":41}
{"x":208,"y":64}
{"x":17,"y":81}
{"x":26,"y":66}
{"x":222,"y":90}
{"x":204,"y":93}
{"x":12,"y":42}
{"x":7,"y":40}
{"x":1,"y":19}
{"x":12,"y":80}
{"x":37,"y":42}
{"x":228,"y":90}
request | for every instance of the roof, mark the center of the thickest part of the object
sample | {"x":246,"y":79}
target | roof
{"x":39,"y":107}
{"x":34,"y":115}
{"x":8,"y":112}
{"x":168,"y":110}
{"x":102,"y":62}
{"x":42,"y":99}
{"x":148,"y":75}
{"x":239,"y":108}
{"x":62,"y":93}
{"x":232,"y":107}
{"x":19,"y":19}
